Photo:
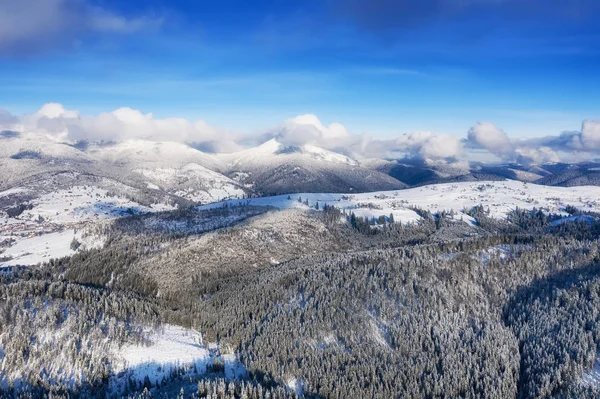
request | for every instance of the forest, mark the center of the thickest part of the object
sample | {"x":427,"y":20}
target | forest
{"x":351,"y":308}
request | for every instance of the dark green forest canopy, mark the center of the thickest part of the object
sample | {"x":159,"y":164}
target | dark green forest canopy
{"x":437,"y":310}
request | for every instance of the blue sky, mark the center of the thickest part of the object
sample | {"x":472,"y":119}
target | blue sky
{"x":382,"y":66}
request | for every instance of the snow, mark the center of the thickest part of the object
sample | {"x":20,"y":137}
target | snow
{"x":81,"y":203}
{"x":170,"y":347}
{"x":526,"y":176}
{"x":328,"y":156}
{"x":46,"y":231}
{"x":42,"y":248}
{"x":34,"y":250}
{"x":155,"y":152}
{"x":497,"y":197}
{"x":574,"y":219}
{"x":269,"y":151}
{"x":173,"y":346}
{"x":591,"y":377}
{"x":296,"y":385}
{"x":12,"y":191}
{"x":193,"y":182}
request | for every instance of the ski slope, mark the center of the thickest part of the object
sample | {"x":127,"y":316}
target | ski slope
{"x":498,"y":197}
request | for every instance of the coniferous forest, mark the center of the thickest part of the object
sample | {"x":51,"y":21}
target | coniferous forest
{"x":351,"y":308}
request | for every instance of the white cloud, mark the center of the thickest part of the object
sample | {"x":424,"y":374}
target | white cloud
{"x":32,"y":26}
{"x":308,"y":129}
{"x":105,"y":21}
{"x":124,"y":124}
{"x":7,"y":120}
{"x":127,"y":123}
{"x":590,"y":135}
{"x":494,"y":140}
{"x":486,"y":135}
{"x":441,"y":146}
{"x":426,"y":145}
{"x":536,"y":156}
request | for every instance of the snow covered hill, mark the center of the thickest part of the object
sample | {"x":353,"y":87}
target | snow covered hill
{"x":499,"y":197}
{"x":136,"y":152}
{"x":48,"y":224}
{"x":276,"y":168}
{"x":192,"y":182}
{"x":274,"y":148}
{"x":170,"y":348}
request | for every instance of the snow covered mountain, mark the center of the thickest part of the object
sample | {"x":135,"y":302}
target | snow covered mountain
{"x":175,"y":168}
{"x":151,"y":172}
{"x":172,"y":174}
{"x":274,"y":168}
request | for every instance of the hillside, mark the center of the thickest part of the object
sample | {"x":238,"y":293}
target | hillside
{"x":273,"y":168}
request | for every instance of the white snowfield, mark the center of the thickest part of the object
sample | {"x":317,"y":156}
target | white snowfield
{"x":31,"y":251}
{"x":46,"y":231}
{"x":80,"y":203}
{"x":499,"y":197}
{"x":171,"y":347}
{"x":84,"y":204}
{"x":196,"y":183}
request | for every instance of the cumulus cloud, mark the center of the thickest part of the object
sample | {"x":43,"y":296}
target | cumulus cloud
{"x":590,"y":135}
{"x":426,"y":145}
{"x":579,"y":142}
{"x":125,"y":124}
{"x":32,"y":26}
{"x":7,"y":119}
{"x":486,"y":135}
{"x":575,"y":145}
{"x":537,"y":156}
{"x":307,"y":129}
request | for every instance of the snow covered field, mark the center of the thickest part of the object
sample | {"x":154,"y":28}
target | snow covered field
{"x":171,"y":347}
{"x":39,"y":249}
{"x":499,"y":197}
{"x":80,"y":203}
{"x":30,"y":251}
{"x":46,"y":230}
{"x":84,"y":204}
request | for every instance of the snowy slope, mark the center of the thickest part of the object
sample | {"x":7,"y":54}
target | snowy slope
{"x":152,"y":152}
{"x":273,"y":149}
{"x":170,"y":347}
{"x":276,"y":168}
{"x":193,"y":182}
{"x":39,"y":249}
{"x":83,"y":203}
{"x":499,"y":197}
{"x":177,"y":169}
{"x":591,"y":377}
{"x":45,"y":231}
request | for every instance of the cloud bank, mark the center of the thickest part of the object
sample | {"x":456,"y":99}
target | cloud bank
{"x":119,"y":125}
{"x":129,"y":124}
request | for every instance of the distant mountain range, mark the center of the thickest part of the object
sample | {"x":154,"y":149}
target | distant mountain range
{"x":171,"y":173}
